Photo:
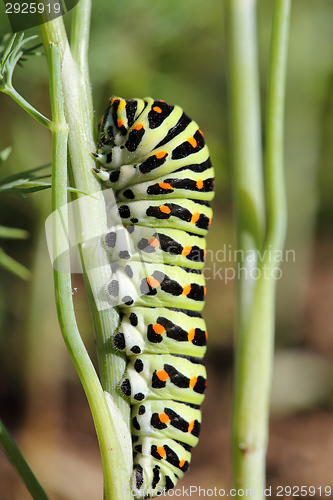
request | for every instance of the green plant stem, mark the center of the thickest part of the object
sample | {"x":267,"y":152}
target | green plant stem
{"x":90,"y":226}
{"x":79,"y":45}
{"x":27,"y":107}
{"x":17,"y":459}
{"x":13,"y":233}
{"x":248,"y":465}
{"x":274,"y":164}
{"x":255,"y":323}
{"x":13,"y":266}
{"x":245,"y":122}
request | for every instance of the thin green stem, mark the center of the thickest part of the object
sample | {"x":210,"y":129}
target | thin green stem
{"x":17,"y":459}
{"x":250,"y":222}
{"x":274,"y":165}
{"x":80,"y":35}
{"x":13,"y":233}
{"x":27,"y":107}
{"x":7,"y":262}
{"x":255,"y":328}
{"x":245,"y":110}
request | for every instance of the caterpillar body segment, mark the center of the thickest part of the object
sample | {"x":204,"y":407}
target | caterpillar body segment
{"x":141,"y":284}
{"x":146,"y":330}
{"x":165,"y":377}
{"x":142,"y":243}
{"x":192,"y":185}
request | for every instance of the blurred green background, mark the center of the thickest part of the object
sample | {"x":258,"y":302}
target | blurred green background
{"x":176,"y":50}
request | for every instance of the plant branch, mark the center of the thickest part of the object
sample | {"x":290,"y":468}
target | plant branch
{"x":10,"y":56}
{"x":256,"y":288}
{"x":27,"y":107}
{"x":17,"y":459}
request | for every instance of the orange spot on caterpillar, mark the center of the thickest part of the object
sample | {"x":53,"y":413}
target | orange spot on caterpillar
{"x":190,"y":426}
{"x":200,"y":184}
{"x":193,"y":381}
{"x":153,"y":282}
{"x":182,"y":462}
{"x":161,"y":154}
{"x":165,"y":185}
{"x":120,"y":123}
{"x":195,"y":217}
{"x":192,"y":141}
{"x":161,"y":451}
{"x":204,"y":252}
{"x":206,"y":334}
{"x":191,"y":335}
{"x":209,"y":221}
{"x":164,"y":418}
{"x":138,"y":126}
{"x":200,"y":132}
{"x":204,"y":289}
{"x":158,"y":329}
{"x":186,"y":289}
{"x":157,"y":109}
{"x":165,"y":209}
{"x":154,"y":242}
{"x":186,"y":251}
{"x":162,"y":375}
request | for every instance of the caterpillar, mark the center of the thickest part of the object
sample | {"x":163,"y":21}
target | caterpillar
{"x":156,"y":161}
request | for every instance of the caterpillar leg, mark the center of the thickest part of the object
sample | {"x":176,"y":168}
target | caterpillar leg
{"x":102,"y":174}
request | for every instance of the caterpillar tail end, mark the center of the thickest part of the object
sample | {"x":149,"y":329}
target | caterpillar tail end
{"x":139,"y":484}
{"x":151,"y":482}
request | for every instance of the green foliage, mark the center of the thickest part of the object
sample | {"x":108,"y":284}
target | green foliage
{"x":25,"y":182}
{"x":16,"y":185}
{"x":12,"y":51}
{"x":15,"y":456}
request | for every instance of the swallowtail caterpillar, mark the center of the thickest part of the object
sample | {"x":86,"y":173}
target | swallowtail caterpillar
{"x":156,"y":160}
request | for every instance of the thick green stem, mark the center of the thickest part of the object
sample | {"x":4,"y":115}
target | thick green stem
{"x":17,"y":459}
{"x":92,"y":212}
{"x":257,"y":280}
{"x":79,"y":45}
{"x":67,"y":88}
